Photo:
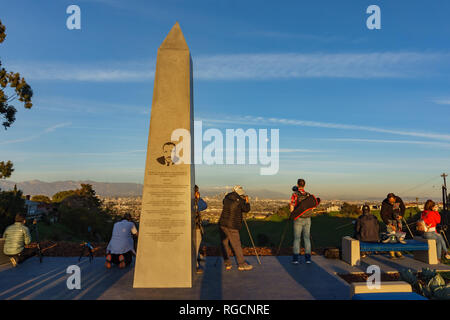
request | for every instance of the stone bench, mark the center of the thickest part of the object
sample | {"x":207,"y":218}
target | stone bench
{"x":423,"y":249}
{"x":389,"y":296}
{"x":386,"y":286}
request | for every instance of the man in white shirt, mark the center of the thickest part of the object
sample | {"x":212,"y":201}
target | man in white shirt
{"x":120,"y":249}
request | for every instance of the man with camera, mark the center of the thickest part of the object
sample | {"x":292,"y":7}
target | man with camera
{"x":199,"y":205}
{"x":302,"y":225}
{"x":17,"y":236}
{"x":392,"y":212}
{"x":235,"y":204}
{"x":120,"y":249}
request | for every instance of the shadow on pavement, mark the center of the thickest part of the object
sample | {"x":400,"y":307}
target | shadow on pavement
{"x":48,"y":280}
{"x":320,"y":284}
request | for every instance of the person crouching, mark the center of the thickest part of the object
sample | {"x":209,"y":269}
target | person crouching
{"x":17,"y":236}
{"x":120,"y":249}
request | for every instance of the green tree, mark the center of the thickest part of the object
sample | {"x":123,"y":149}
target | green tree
{"x":11,"y":203}
{"x":350,"y":209}
{"x":6,"y":169}
{"x":82,"y":211}
{"x":60,"y":196}
{"x":41,"y":198}
{"x":12,"y":87}
{"x":86,"y":190}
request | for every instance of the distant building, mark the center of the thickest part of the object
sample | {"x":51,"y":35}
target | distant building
{"x":32,"y":209}
{"x":36,"y":210}
{"x":333,"y":208}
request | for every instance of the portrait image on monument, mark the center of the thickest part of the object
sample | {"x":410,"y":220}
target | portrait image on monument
{"x":169,"y":157}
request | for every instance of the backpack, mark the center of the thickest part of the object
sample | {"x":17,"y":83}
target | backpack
{"x":305,"y":206}
{"x":421,"y":226}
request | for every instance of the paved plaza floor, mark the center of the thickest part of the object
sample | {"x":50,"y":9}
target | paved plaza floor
{"x":275,"y":279}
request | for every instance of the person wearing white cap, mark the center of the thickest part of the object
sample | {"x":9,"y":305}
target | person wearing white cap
{"x":235,"y":204}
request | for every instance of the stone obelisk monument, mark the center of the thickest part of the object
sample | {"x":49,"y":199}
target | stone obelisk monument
{"x":166,"y":251}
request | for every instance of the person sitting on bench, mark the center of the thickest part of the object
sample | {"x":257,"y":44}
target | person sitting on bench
{"x":431,"y":218}
{"x":120,"y":249}
{"x":367,"y":228}
{"x":17,"y":236}
{"x":392,"y":212}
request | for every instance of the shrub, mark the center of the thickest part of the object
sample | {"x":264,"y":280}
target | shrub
{"x":86,"y":223}
{"x":350,"y":210}
{"x":262,"y":240}
{"x":11,"y":203}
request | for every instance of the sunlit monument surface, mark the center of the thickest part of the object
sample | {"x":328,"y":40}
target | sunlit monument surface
{"x":165,"y":251}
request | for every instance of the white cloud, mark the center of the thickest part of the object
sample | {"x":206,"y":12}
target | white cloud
{"x":312,"y":65}
{"x":442,"y":101}
{"x":36,"y":136}
{"x":425,"y":143}
{"x":251,"y":120}
{"x":250,"y":67}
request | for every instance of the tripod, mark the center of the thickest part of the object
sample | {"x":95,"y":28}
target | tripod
{"x":39,"y":252}
{"x":90,"y":251}
{"x":253,"y":244}
{"x":442,"y":231}
{"x":282,"y":236}
{"x":251,"y":238}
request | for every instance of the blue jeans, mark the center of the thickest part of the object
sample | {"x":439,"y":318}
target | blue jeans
{"x":302,"y":225}
{"x":440,"y":243}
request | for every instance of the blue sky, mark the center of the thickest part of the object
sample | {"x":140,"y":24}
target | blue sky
{"x":362,"y":112}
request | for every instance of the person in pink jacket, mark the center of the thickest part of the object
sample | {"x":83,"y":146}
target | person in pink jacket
{"x":432,"y":218}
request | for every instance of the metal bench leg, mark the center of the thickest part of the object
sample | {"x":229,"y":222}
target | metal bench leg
{"x":351,"y":251}
{"x":428,"y":256}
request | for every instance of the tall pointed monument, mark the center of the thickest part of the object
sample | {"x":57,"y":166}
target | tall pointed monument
{"x":166,"y":251}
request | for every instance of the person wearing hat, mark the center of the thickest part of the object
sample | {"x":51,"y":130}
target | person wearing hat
{"x":120,"y":249}
{"x":367,"y":228}
{"x":235,"y":204}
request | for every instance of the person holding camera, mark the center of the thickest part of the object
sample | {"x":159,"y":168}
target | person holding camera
{"x":301,"y":225}
{"x":235,"y":204}
{"x":431,"y":219}
{"x":199,"y":205}
{"x":120,"y":249}
{"x":17,"y":236}
{"x":392,"y":212}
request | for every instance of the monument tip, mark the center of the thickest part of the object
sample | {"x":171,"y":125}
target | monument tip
{"x":175,"y":39}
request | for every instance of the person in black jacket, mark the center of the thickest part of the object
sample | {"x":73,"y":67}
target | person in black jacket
{"x":234,"y":204}
{"x":392,"y":212}
{"x":367,"y":227}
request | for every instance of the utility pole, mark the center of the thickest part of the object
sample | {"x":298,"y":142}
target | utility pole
{"x":444,"y":192}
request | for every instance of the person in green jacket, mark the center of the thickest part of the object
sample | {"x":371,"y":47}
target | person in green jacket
{"x":17,"y":236}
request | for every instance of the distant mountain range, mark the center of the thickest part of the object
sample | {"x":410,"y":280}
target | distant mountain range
{"x":119,"y":189}
{"x":104,"y":189}
{"x":116,"y":189}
